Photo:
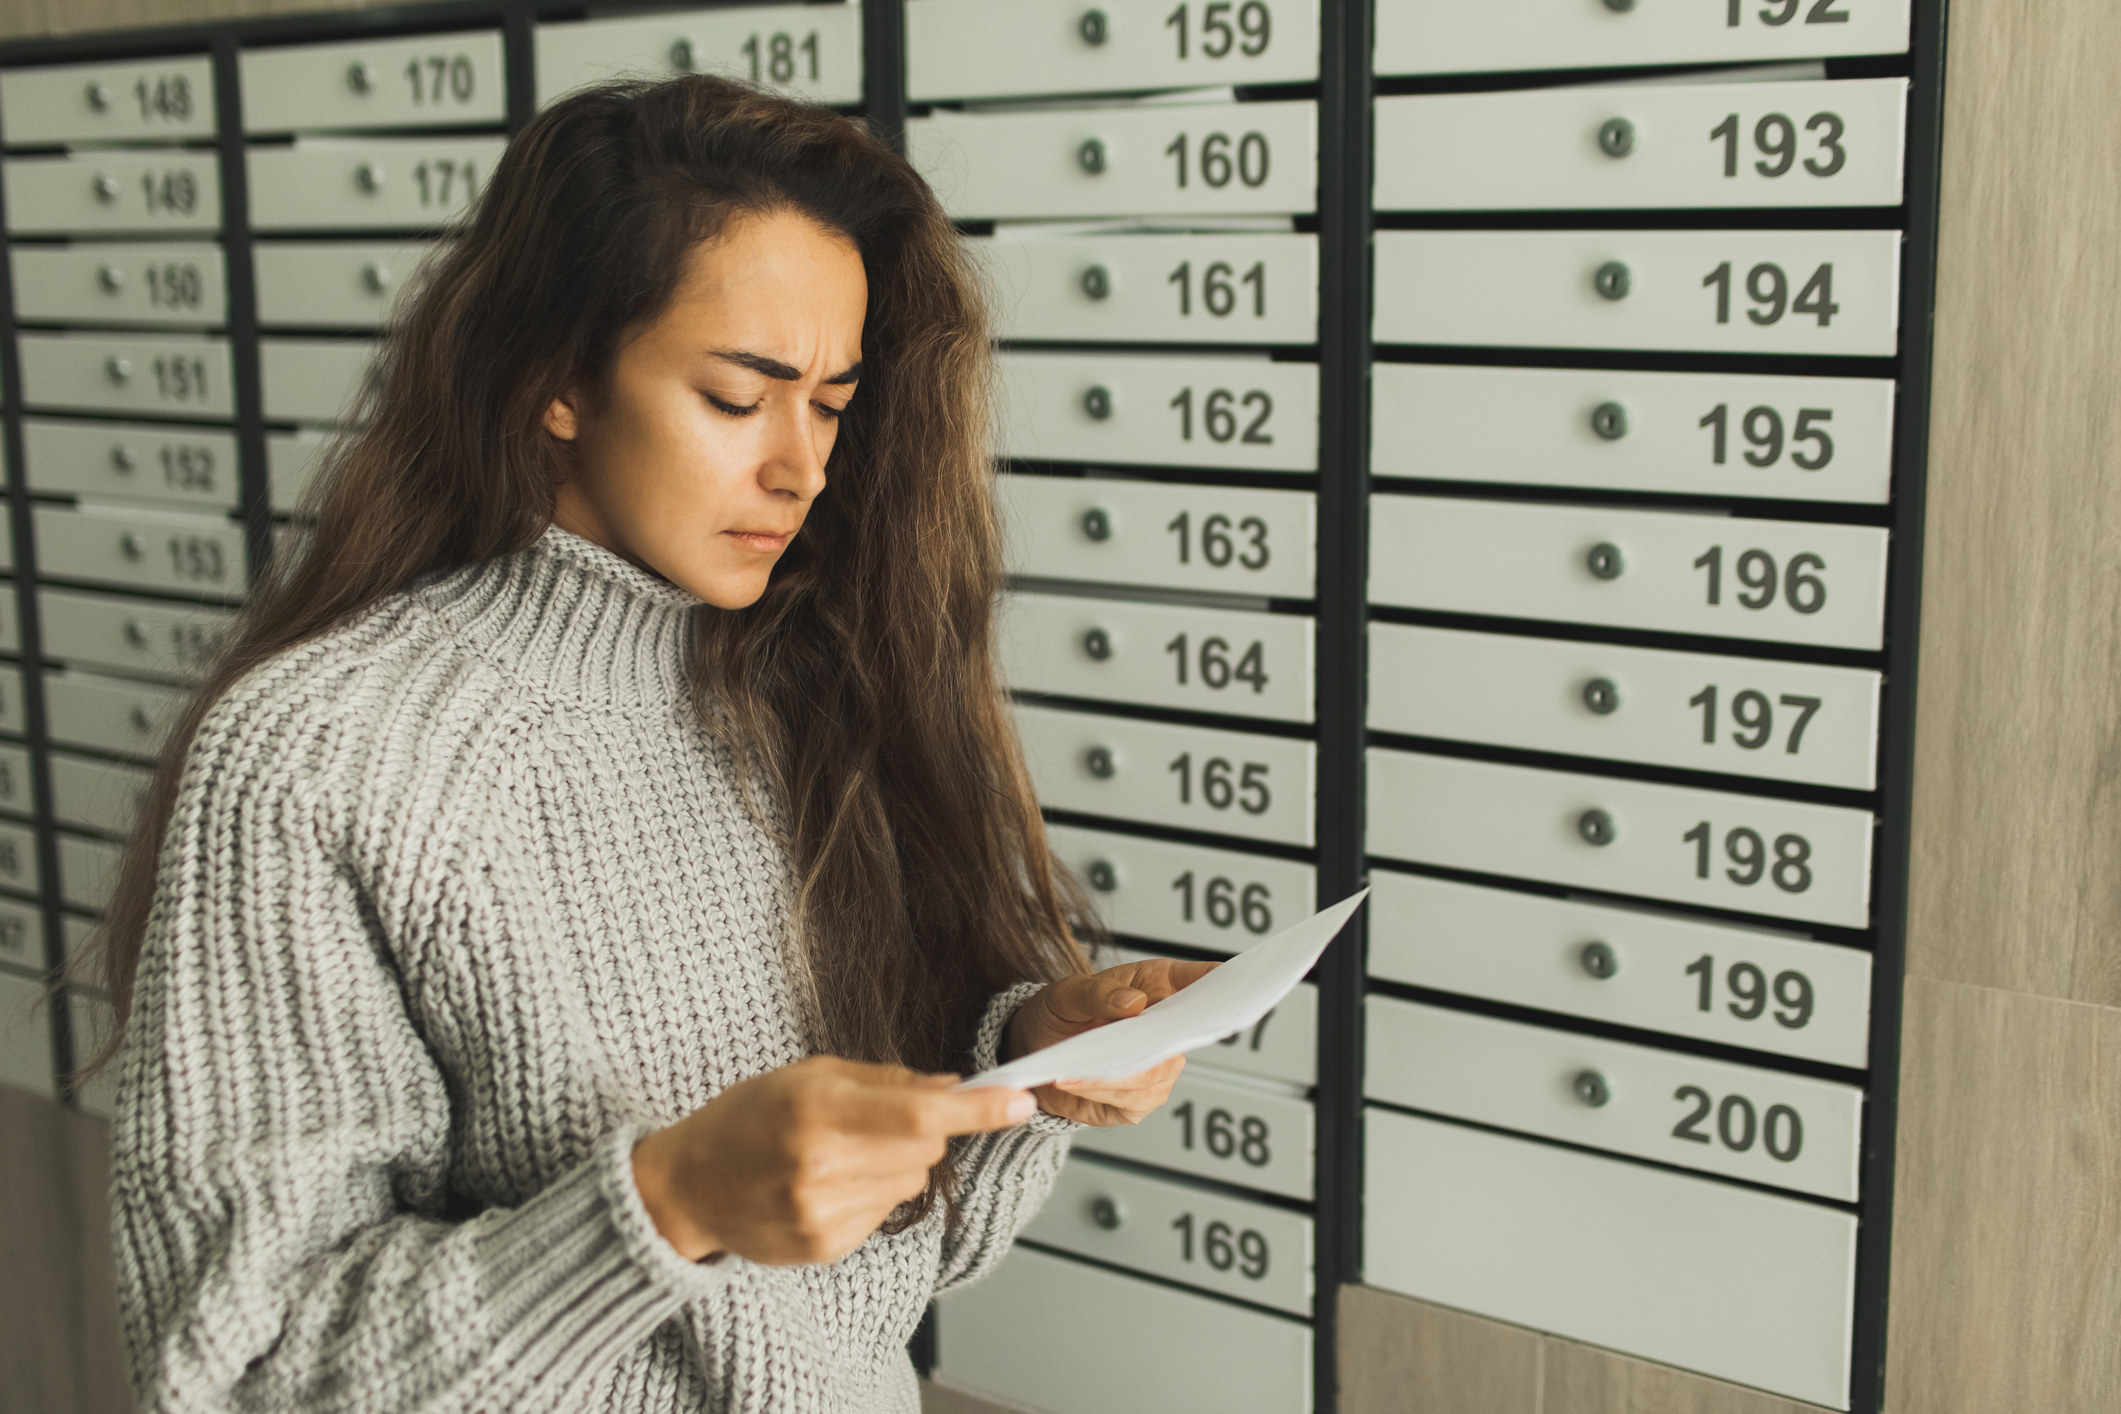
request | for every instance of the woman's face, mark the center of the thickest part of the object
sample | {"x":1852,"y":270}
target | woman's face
{"x":702,"y":457}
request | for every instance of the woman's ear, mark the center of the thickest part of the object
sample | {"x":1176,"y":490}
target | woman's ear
{"x":561,"y":419}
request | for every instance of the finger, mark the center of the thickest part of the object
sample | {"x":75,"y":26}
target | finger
{"x":1177,"y":976}
{"x":941,"y":1113}
{"x":1151,"y":1084}
{"x":1160,"y":977}
{"x":1103,"y":996}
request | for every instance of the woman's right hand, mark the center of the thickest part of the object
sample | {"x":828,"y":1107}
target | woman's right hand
{"x":801,"y":1164}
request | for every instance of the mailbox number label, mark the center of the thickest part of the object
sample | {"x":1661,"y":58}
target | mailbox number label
{"x":173,"y":192}
{"x":1781,"y":12}
{"x":1219,"y":417}
{"x":1225,"y":29}
{"x":1739,"y":1124}
{"x":1763,"y":430}
{"x":167,"y":97}
{"x":180,"y":378}
{"x":773,"y":56}
{"x":1799,"y":582}
{"x":1222,"y":1246}
{"x":1749,"y":989}
{"x":1225,"y":1135}
{"x":196,"y":558}
{"x":1767,"y":285}
{"x":444,"y":183}
{"x":440,"y":77}
{"x":1775,"y":138}
{"x":1753,"y":717}
{"x":1218,"y":546}
{"x":175,"y":286}
{"x":1223,"y":783}
{"x":1212,"y":663}
{"x":1219,"y":158}
{"x":1219,"y":284}
{"x":1748,"y":852}
{"x":1226,"y":904}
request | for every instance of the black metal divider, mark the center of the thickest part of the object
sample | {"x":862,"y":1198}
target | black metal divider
{"x":884,"y":69}
{"x":1911,"y":414}
{"x":29,"y":646}
{"x":1344,"y":168}
{"x":255,"y":481}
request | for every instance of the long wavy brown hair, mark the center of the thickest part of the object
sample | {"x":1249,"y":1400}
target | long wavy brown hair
{"x":863,"y":680}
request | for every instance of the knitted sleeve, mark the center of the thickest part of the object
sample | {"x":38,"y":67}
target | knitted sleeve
{"x":279,"y":1165}
{"x":1003,"y":1177}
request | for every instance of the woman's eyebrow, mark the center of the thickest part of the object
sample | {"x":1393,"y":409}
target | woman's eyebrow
{"x":774,"y":368}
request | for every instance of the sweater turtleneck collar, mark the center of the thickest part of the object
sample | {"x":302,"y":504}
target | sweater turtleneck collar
{"x":573,"y":620}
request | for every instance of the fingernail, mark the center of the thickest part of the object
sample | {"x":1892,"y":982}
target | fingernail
{"x":1127,"y":996}
{"x":1021,"y":1107}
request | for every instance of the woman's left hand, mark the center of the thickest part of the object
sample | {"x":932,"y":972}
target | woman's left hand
{"x":1077,"y":1004}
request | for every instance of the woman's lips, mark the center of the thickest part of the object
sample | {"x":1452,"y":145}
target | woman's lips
{"x":761,"y":540}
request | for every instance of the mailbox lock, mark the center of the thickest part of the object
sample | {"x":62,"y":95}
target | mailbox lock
{"x":1107,"y":1213}
{"x":133,"y":546}
{"x":143,"y":720}
{"x":136,"y":633}
{"x":1599,"y":960}
{"x":1098,"y":403}
{"x":1091,"y":156}
{"x":1596,"y":827}
{"x":1610,"y":421}
{"x":1590,"y":1087}
{"x":98,"y":96}
{"x":368,"y":177}
{"x":1604,"y":560}
{"x":1097,"y":282}
{"x":1616,"y":137}
{"x":1620,"y":7}
{"x":122,"y":458}
{"x":1100,"y":763}
{"x":359,"y":77}
{"x":111,"y":278}
{"x":681,"y":55}
{"x":1096,"y":525}
{"x":375,"y":277}
{"x":1612,"y":280}
{"x":118,"y":369}
{"x":1602,"y":696}
{"x":1103,"y":876}
{"x":1093,"y":27}
{"x":106,"y":188}
{"x":1097,"y":645}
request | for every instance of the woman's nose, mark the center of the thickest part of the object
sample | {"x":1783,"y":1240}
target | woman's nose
{"x":795,"y":461}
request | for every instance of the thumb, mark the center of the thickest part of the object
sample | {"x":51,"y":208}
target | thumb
{"x":1120,"y":999}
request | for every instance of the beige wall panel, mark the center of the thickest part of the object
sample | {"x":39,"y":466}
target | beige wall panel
{"x":1402,"y":1356}
{"x":36,"y":1252}
{"x":2006,"y":1214}
{"x":103,"y":1377}
{"x":2018,"y":755}
{"x":944,"y":1399}
{"x":1582,"y":1379}
{"x":61,"y":1350}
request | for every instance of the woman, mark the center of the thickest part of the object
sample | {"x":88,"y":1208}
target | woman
{"x":552,"y":935}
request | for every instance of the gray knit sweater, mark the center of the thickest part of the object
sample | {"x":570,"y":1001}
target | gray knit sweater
{"x":457,"y":902}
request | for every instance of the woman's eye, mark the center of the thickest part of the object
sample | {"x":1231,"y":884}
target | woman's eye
{"x":828,"y":410}
{"x":732,"y":409}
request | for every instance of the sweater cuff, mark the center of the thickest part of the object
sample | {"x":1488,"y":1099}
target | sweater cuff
{"x":987,"y":1050}
{"x":579,"y":1273}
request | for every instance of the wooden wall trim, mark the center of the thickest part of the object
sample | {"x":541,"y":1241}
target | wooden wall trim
{"x":2006,"y":1293}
